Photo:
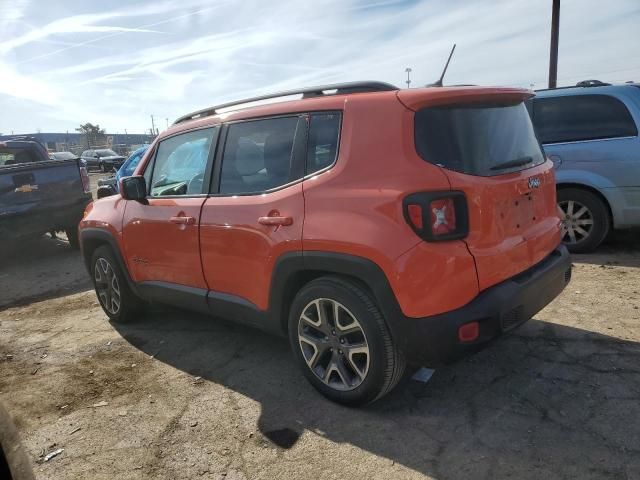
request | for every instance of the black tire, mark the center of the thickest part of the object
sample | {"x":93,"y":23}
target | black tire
{"x":130,"y":305}
{"x":72,"y":237}
{"x":385,"y":362}
{"x":598,"y":212}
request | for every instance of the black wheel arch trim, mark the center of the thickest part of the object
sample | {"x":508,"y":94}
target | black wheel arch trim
{"x":294,"y":269}
{"x":99,"y":236}
{"x":291,"y":271}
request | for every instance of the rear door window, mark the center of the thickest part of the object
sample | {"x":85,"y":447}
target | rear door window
{"x":581,"y":117}
{"x":476,"y":139}
{"x":258,"y":155}
{"x":322,"y":145}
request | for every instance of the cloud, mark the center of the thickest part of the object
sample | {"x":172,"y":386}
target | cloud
{"x":118,"y":63}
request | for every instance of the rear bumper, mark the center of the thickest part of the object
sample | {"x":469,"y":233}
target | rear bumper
{"x":433,"y":341}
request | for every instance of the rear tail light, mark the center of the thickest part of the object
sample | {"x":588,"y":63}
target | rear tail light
{"x":437,"y":216}
{"x":86,"y":184}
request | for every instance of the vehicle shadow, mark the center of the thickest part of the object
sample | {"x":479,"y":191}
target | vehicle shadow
{"x":37,"y":269}
{"x":547,"y":401}
{"x":621,"y":247}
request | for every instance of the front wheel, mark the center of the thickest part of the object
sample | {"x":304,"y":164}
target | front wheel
{"x":342,"y":343}
{"x":585,"y":219}
{"x":115,"y":297}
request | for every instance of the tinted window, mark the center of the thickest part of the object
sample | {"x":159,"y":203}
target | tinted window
{"x":478,"y":139}
{"x":15,"y":156}
{"x":322,"y":146}
{"x":257,"y":155}
{"x":581,"y":117}
{"x":180,"y":163}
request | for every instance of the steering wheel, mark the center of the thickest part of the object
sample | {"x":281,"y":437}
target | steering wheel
{"x":194,"y":186}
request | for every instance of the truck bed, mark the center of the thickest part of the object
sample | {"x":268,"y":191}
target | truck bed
{"x":39,"y":197}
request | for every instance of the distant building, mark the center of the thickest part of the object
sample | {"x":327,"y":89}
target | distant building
{"x":74,"y":142}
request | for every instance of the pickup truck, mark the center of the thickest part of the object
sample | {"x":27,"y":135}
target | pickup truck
{"x":40,"y":195}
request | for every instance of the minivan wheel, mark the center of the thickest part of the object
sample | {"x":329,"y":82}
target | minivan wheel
{"x":342,"y":343}
{"x":585,"y":219}
{"x":115,"y":297}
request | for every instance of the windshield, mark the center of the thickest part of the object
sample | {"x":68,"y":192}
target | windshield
{"x":481,"y":140}
{"x":106,"y":153}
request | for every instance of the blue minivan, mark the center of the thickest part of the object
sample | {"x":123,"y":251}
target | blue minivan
{"x":590,"y":132}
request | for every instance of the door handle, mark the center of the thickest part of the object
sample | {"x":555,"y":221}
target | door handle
{"x":275,"y":221}
{"x":183,"y":220}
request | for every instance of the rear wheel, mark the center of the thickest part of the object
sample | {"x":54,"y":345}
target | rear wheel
{"x":115,"y":297}
{"x":342,"y":343}
{"x":585,"y":219}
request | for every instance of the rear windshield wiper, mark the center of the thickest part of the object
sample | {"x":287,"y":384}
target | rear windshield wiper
{"x":518,"y":162}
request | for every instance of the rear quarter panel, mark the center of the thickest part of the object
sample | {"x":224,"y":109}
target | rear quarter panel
{"x":356,"y":208}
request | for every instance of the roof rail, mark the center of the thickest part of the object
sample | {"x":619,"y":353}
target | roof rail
{"x":583,"y":84}
{"x":310,"y":92}
{"x":591,"y":83}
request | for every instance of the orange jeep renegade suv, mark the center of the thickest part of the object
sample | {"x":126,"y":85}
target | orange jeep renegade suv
{"x":374,"y":226}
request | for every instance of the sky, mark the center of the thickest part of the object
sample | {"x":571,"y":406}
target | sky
{"x":116,"y":63}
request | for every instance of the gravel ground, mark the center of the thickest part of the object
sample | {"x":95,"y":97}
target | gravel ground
{"x":177,"y":395}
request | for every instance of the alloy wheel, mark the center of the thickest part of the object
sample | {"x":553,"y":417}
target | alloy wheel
{"x":333,"y":344}
{"x":577,"y":221}
{"x":107,"y":286}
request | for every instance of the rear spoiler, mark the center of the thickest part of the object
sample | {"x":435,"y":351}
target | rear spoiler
{"x":417,"y":98}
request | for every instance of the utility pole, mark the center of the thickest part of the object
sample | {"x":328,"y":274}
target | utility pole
{"x":167,"y":119}
{"x":553,"y":54}
{"x":408,"y":82}
{"x":153,"y":126}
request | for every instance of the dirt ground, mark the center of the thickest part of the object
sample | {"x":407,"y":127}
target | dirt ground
{"x":178,"y":395}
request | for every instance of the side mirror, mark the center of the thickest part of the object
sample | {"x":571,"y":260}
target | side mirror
{"x":133,"y":188}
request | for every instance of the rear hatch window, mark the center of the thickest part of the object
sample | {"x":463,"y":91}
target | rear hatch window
{"x":478,"y":139}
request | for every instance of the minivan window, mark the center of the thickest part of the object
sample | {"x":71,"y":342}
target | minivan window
{"x":581,"y":117}
{"x":476,"y":139}
{"x":180,"y":163}
{"x":322,"y":146}
{"x":257,"y":155}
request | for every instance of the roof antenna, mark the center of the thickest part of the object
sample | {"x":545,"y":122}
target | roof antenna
{"x":439,"y":82}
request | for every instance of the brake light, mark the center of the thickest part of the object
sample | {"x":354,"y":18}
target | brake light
{"x":437,"y":216}
{"x":84,"y":176}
